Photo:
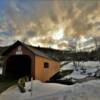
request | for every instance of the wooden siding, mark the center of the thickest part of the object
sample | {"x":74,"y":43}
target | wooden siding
{"x":42,"y":73}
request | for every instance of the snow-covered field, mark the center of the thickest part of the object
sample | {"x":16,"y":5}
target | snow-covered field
{"x":83,"y":70}
{"x":50,"y":91}
{"x":88,"y":64}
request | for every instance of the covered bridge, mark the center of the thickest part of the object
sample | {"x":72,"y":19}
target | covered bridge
{"x":22,"y":60}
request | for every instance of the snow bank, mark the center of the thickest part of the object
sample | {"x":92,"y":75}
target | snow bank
{"x":68,"y":66}
{"x":75,"y":75}
{"x":88,"y":64}
{"x":85,"y":91}
{"x":91,"y":64}
{"x":90,"y":68}
{"x":49,"y":91}
{"x":0,"y":71}
{"x":62,"y":62}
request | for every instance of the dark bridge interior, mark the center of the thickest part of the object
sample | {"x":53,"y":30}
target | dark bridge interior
{"x":18,"y":66}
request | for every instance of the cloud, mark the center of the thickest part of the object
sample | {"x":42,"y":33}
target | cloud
{"x":34,"y":18}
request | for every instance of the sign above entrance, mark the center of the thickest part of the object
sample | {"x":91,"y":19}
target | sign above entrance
{"x":19,"y":51}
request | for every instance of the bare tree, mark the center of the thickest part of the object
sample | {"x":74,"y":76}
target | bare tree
{"x":96,"y":50}
{"x":74,"y":57}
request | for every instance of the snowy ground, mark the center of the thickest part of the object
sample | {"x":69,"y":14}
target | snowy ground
{"x":49,"y":91}
{"x":88,"y":64}
{"x":84,"y":69}
{"x":67,"y":66}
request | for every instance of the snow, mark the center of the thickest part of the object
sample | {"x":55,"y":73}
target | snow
{"x":68,"y":66}
{"x":92,"y":64}
{"x":62,"y":62}
{"x":50,"y":91}
{"x":39,"y":89}
{"x":90,"y":68}
{"x":75,"y":75}
{"x":0,"y":71}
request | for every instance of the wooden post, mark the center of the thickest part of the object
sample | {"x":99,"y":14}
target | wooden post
{"x":31,"y":79}
{"x":31,"y":85}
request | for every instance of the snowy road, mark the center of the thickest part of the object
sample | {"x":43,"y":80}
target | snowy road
{"x":49,"y":91}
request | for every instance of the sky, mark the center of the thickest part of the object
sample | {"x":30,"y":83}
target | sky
{"x":50,"y":23}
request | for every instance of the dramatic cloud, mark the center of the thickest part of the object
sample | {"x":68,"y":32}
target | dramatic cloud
{"x":50,"y":21}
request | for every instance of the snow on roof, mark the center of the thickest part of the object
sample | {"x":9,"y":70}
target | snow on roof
{"x":50,"y":91}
